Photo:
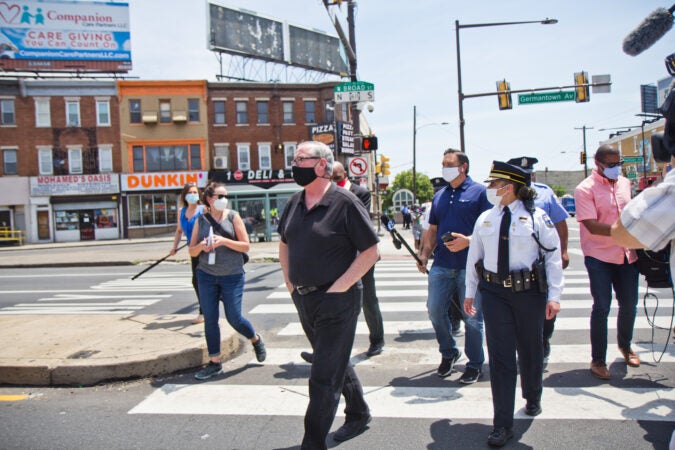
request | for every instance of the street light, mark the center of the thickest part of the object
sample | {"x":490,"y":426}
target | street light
{"x":415,"y":128}
{"x":458,"y":26}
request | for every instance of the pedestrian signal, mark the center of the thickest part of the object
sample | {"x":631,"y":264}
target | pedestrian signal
{"x":504,"y":99}
{"x":369,"y":143}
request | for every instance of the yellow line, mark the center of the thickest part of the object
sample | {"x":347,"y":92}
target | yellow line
{"x":12,"y":398}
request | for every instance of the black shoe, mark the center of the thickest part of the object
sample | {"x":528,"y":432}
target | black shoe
{"x":351,"y":429}
{"x":533,"y":408}
{"x":470,"y":375}
{"x":375,"y":349}
{"x":499,"y":436}
{"x":259,"y":348}
{"x":457,"y":329}
{"x":547,"y":349}
{"x":307,"y":356}
{"x":446,"y":365}
{"x":209,"y":370}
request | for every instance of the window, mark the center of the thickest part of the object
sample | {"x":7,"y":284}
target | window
{"x":135,"y":115}
{"x":164,"y":111}
{"x":9,"y":162}
{"x":344,"y":112}
{"x":162,"y":158}
{"x":193,"y":110}
{"x":263,"y":112}
{"x":219,"y":112}
{"x":103,"y":113}
{"x":242,"y":112}
{"x":45,"y":161}
{"x":265,"y":156}
{"x":288,"y":112}
{"x":243,"y":156}
{"x":7,"y":116}
{"x":152,"y":209}
{"x":289,"y":153}
{"x":75,"y":160}
{"x":310,"y":111}
{"x":330,"y":111}
{"x":105,"y":162}
{"x":72,"y":113}
{"x":42,"y":114}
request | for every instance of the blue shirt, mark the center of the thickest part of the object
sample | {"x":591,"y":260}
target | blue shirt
{"x":456,"y":210}
{"x":188,"y":225}
{"x":546,"y":200}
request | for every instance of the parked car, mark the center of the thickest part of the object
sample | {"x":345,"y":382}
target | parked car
{"x":568,"y":203}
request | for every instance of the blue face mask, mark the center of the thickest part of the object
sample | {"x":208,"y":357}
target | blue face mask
{"x":192,"y":198}
{"x":612,"y":173}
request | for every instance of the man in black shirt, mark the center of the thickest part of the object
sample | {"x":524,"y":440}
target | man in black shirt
{"x":327,"y":245}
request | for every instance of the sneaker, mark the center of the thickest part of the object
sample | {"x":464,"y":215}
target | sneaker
{"x":375,"y":349}
{"x":470,"y":375}
{"x":211,"y":369}
{"x":446,"y":365}
{"x":259,"y":348}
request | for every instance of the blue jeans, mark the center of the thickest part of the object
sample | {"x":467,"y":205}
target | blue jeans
{"x":624,"y":279}
{"x":443,"y":283}
{"x":229,"y":289}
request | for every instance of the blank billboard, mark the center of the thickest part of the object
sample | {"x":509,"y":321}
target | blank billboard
{"x":239,"y":32}
{"x":316,"y":50}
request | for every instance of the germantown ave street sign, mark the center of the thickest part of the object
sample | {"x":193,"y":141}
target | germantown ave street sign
{"x":546,"y":97}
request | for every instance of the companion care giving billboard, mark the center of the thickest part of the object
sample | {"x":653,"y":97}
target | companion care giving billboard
{"x":52,"y":35}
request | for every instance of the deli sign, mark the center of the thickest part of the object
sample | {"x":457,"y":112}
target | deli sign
{"x":154,"y":181}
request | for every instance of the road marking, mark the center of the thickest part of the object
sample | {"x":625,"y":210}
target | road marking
{"x":12,"y":398}
{"x":592,"y":403}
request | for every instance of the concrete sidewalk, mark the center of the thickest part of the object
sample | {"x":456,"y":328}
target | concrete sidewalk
{"x":82,"y":350}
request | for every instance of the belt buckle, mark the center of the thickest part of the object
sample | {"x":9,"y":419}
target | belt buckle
{"x":304,"y":290}
{"x":508,"y":282}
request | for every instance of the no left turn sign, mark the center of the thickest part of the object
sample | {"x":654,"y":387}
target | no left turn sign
{"x":358,"y":167}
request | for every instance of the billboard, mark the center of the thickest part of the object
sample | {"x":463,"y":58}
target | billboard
{"x":246,"y":33}
{"x":52,"y":35}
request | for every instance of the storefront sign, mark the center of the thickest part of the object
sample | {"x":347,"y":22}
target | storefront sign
{"x":161,"y":180}
{"x":94,"y":184}
{"x":323,"y":132}
{"x":261,"y":178}
{"x":346,"y":133}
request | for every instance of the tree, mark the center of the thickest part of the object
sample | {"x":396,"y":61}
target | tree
{"x":403,"y":180}
{"x":559,"y":190}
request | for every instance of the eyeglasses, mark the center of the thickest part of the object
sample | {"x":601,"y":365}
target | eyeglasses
{"x":611,"y":165}
{"x":297,"y":161}
{"x":219,"y":196}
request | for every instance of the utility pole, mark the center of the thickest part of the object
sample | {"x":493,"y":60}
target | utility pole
{"x":414,"y":180}
{"x":352,"y":72}
{"x":584,"y":128}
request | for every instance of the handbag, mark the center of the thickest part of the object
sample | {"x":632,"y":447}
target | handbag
{"x":221,"y":231}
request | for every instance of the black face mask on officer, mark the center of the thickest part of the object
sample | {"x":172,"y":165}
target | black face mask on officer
{"x":663,"y":143}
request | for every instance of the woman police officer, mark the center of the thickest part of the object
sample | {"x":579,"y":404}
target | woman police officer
{"x":514,"y":260}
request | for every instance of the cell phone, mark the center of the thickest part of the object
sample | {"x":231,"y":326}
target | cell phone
{"x":447,"y":237}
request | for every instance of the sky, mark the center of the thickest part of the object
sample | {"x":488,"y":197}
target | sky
{"x":408,"y":51}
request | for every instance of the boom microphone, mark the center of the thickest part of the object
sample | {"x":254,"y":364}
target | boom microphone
{"x":649,"y":31}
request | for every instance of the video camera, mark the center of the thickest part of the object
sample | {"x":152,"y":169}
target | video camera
{"x":663,"y":143}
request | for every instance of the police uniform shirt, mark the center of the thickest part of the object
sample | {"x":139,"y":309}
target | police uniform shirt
{"x":547,"y":201}
{"x":523,"y":249}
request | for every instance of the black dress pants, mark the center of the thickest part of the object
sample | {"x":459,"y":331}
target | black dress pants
{"x":371,"y":308}
{"x":329,"y":321}
{"x":514,"y":322}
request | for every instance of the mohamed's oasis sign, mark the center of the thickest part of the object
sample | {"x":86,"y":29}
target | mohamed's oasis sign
{"x":54,"y":35}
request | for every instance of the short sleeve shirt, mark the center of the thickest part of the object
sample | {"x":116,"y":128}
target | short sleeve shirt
{"x":324,"y":241}
{"x":597,"y":198}
{"x":547,"y":201}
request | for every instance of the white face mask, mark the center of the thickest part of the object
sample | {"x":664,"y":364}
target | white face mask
{"x":220,"y":204}
{"x":492,"y":196}
{"x":192,"y":198}
{"x":612,"y":172}
{"x":450,"y":173}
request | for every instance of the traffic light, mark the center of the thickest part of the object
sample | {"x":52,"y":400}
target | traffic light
{"x":369,"y":143}
{"x":582,"y":157}
{"x":378,"y":168}
{"x":384,"y":166}
{"x":504,"y":99}
{"x":583,"y":93}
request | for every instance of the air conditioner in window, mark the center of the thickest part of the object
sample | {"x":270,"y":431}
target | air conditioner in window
{"x":220,"y":162}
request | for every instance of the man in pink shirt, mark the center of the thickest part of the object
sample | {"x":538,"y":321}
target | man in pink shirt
{"x":599,"y":200}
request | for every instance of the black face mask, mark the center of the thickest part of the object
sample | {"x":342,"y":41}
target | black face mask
{"x":303,"y":175}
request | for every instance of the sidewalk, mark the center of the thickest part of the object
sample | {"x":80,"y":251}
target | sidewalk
{"x":82,"y":350}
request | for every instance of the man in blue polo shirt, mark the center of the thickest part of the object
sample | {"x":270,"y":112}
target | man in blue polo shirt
{"x":547,"y":200}
{"x":454,"y":211}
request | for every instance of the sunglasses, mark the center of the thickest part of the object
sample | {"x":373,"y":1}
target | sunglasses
{"x":219,"y":196}
{"x":612,"y":165}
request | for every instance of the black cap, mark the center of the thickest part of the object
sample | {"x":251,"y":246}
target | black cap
{"x":503,"y":171}
{"x":524,"y":162}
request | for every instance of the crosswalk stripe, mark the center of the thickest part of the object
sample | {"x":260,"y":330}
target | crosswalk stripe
{"x":429,"y":356}
{"x":424,"y":326}
{"x":594,"y":403}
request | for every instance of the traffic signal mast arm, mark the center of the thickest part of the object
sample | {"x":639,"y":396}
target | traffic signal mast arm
{"x":519,"y":91}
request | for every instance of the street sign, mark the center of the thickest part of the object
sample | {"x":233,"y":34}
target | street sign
{"x":356,"y":91}
{"x":632,"y":159}
{"x":358,"y":166}
{"x":546,"y":97}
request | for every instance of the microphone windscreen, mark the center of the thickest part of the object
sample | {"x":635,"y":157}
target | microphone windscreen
{"x":648,"y":32}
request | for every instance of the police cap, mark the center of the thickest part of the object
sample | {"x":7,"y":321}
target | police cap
{"x":504,"y":171}
{"x":524,"y":162}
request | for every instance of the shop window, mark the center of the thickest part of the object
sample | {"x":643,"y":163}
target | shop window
{"x":9,"y":162}
{"x":7,"y":115}
{"x":66,"y":220}
{"x":193,"y":110}
{"x":219,"y":112}
{"x":152,"y":209}
{"x":135,"y":115}
{"x":105,"y":218}
{"x":42,"y":113}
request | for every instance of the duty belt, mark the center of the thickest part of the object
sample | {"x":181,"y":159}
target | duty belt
{"x":518,"y":280}
{"x":304,"y":290}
